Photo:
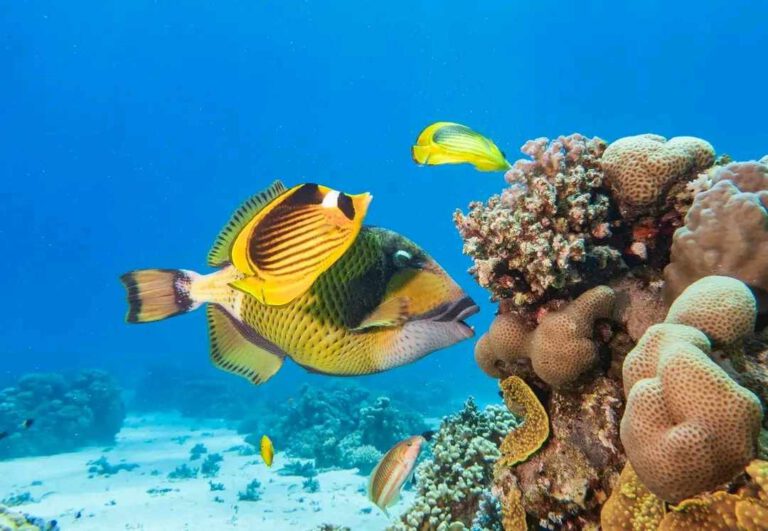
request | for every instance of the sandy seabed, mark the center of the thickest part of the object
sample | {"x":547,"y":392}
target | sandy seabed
{"x":61,"y":488}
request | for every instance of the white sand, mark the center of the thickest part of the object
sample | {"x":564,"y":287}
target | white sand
{"x":121,"y":501}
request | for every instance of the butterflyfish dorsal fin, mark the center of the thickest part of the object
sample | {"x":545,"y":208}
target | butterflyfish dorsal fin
{"x":289,"y":244}
{"x":391,"y":312}
{"x":220,"y":252}
{"x":237,"y":349}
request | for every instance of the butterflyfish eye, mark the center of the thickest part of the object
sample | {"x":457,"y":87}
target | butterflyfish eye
{"x":346,"y":206}
{"x":402,"y":258}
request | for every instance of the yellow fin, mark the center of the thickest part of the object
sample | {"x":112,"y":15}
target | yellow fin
{"x":220,"y":252}
{"x":275,"y":293}
{"x":236,"y":349}
{"x":452,"y":143}
{"x":391,"y":312}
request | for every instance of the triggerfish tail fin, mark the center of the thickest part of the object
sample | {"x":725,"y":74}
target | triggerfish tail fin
{"x":236,"y":349}
{"x":452,"y":143}
{"x":155,"y":294}
{"x":222,"y":247}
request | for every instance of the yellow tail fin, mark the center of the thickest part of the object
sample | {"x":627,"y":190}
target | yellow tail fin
{"x":155,"y":294}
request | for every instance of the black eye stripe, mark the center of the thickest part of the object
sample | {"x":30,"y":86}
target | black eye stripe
{"x":308,"y":194}
{"x":346,"y":206}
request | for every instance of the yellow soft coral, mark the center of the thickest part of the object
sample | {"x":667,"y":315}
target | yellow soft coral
{"x":631,"y":506}
{"x":560,"y":348}
{"x":524,"y":441}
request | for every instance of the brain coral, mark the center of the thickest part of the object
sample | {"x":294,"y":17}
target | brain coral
{"x":725,"y":232}
{"x":560,"y":348}
{"x":688,"y":427}
{"x":641,"y":169}
{"x":544,"y":235}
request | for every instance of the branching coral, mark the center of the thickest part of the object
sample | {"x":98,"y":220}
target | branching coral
{"x":67,"y":414}
{"x":451,"y":484}
{"x":543,"y":236}
{"x":560,"y":348}
{"x":725,"y":232}
{"x":642,"y":169}
{"x":688,"y":427}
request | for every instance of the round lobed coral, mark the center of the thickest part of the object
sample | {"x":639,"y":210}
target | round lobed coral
{"x":725,"y":232}
{"x":543,"y":236}
{"x":560,"y":348}
{"x":642,"y":169}
{"x":688,"y":426}
{"x":452,"y":484}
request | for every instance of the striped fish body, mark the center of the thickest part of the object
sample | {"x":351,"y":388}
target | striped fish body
{"x":452,"y":143}
{"x":392,"y":472}
{"x":321,"y":330}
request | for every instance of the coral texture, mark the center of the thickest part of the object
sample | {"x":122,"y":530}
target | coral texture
{"x":525,"y":440}
{"x":642,"y":169}
{"x":725,"y":232}
{"x":67,"y":413}
{"x":688,"y":427}
{"x":13,"y":521}
{"x":452,"y":484}
{"x":632,"y":506}
{"x":544,"y":235}
{"x":564,"y":483}
{"x":560,"y":348}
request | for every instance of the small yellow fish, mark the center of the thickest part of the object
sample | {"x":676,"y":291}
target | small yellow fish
{"x":267,"y":450}
{"x":393,"y":471}
{"x":452,"y":143}
{"x":384,"y":303}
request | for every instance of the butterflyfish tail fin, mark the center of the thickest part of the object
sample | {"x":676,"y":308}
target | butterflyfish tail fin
{"x":239,"y":350}
{"x":155,"y":294}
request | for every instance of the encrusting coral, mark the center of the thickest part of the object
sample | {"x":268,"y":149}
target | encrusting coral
{"x":642,"y":169}
{"x":544,"y":235}
{"x":14,"y":521}
{"x":525,"y":440}
{"x":560,"y":348}
{"x":688,"y":427}
{"x":631,"y":506}
{"x":451,"y":485}
{"x":725,"y":232}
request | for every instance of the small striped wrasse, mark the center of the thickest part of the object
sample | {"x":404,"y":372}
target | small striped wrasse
{"x":452,"y":143}
{"x":393,"y":471}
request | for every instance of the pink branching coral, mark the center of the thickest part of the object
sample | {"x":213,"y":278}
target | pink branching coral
{"x":545,"y":233}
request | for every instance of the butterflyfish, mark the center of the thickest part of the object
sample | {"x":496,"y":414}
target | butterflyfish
{"x":382,"y":304}
{"x":393,"y":471}
{"x":267,"y":450}
{"x":452,"y":143}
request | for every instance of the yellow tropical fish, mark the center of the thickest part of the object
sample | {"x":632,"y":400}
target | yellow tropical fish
{"x":267,"y":450}
{"x":282,"y":240}
{"x":382,"y":304}
{"x":452,"y":143}
{"x":393,"y":471}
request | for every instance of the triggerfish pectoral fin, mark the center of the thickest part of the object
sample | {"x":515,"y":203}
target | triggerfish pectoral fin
{"x":294,"y":239}
{"x":236,"y":349}
{"x":391,"y":312}
{"x":452,"y":143}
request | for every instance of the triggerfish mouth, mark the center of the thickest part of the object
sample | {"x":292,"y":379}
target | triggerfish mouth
{"x":299,"y":276}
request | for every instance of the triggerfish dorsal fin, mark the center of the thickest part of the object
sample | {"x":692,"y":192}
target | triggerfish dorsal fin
{"x":236,"y":349}
{"x":295,"y":239}
{"x":452,"y":143}
{"x":391,"y":312}
{"x":220,"y":252}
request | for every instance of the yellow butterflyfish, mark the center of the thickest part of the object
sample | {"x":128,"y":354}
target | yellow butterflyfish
{"x":452,"y":143}
{"x":267,"y":450}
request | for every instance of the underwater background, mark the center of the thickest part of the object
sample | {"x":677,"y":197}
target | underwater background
{"x":130,"y":131}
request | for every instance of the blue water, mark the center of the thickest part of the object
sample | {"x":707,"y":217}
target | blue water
{"x":129,"y":132}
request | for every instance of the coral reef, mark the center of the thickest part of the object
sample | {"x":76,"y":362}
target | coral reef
{"x":211,"y":465}
{"x":197,"y":451}
{"x":68,"y":413}
{"x":725,"y":232}
{"x":252,"y":491}
{"x":568,"y":330}
{"x":525,"y":440}
{"x":12,"y":521}
{"x":183,"y":471}
{"x":642,"y":169}
{"x":545,"y":235}
{"x":295,"y":467}
{"x":689,"y":427}
{"x":632,"y":505}
{"x":341,"y":426}
{"x":102,"y":467}
{"x":451,"y":485}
